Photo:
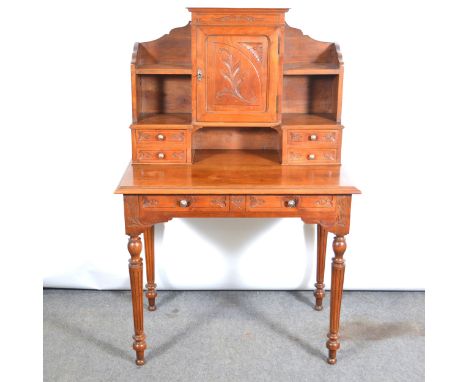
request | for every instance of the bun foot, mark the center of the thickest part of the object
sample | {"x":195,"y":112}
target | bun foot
{"x":151,"y":308}
{"x":331,"y":361}
{"x":318,"y":307}
{"x":140,"y":362}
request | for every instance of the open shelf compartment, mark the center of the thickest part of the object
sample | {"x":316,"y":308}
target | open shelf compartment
{"x":306,"y":56}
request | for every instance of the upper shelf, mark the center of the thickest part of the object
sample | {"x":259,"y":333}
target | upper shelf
{"x":184,"y":120}
{"x":314,"y":68}
{"x":176,"y":120}
{"x":292,"y":69}
{"x":169,"y":54}
{"x":164,"y":69}
{"x":301,"y":119}
{"x":304,"y":55}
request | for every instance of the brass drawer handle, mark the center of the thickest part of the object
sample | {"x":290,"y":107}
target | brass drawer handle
{"x":184,"y":203}
{"x":161,"y":137}
{"x":161,"y":155}
{"x":311,"y":157}
{"x":312,"y":137}
{"x":291,"y":203}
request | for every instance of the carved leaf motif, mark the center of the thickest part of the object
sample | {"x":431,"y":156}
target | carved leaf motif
{"x":177,"y":137}
{"x":342,"y":207}
{"x":150,"y":203}
{"x":256,"y":49}
{"x":329,"y":155}
{"x":324,"y":202}
{"x":341,"y":219}
{"x":146,"y":155}
{"x":233,"y":76}
{"x":142,"y":136}
{"x":296,"y":137}
{"x":132,"y":211}
{"x":237,"y":201}
{"x":238,"y":18}
{"x":295,"y":155}
{"x":178,"y":155}
{"x":330,"y":137}
{"x":255,"y":202}
{"x":218,"y":202}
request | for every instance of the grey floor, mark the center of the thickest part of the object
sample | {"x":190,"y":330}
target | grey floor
{"x":233,"y":336}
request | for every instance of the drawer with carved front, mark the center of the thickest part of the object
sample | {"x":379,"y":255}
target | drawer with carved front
{"x":185,"y":202}
{"x":312,"y":156}
{"x":161,"y":138}
{"x":267,"y":203}
{"x":314,"y":138}
{"x":163,"y":155}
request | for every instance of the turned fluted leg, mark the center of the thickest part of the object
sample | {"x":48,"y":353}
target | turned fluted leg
{"x":135,"y":266}
{"x":336,"y":292}
{"x":151,"y":293}
{"x":321,"y":252}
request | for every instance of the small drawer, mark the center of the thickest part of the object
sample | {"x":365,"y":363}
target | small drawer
{"x":185,"y":202}
{"x":161,"y":137}
{"x":312,"y":156}
{"x":313,"y":138}
{"x":285,"y":202}
{"x":160,"y":156}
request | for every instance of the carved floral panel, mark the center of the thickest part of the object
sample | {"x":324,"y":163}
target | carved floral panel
{"x":237,"y":73}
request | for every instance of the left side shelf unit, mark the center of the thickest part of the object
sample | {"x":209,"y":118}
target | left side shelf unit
{"x":161,"y":73}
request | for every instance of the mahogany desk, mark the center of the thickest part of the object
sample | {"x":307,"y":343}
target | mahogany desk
{"x":235,"y":183}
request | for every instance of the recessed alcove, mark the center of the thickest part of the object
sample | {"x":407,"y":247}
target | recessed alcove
{"x":237,"y":144}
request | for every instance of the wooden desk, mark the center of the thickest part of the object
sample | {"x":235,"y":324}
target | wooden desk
{"x":235,"y":183}
{"x":236,"y":114}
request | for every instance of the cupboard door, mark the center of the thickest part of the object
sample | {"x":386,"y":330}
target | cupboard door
{"x":237,"y":71}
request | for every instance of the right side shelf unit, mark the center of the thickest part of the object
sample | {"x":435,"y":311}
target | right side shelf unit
{"x":311,"y":102}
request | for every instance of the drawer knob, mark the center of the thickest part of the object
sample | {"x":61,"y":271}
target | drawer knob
{"x":291,"y":203}
{"x":312,"y":137}
{"x":161,"y":137}
{"x":184,"y":203}
{"x":311,"y":157}
{"x":161,"y":155}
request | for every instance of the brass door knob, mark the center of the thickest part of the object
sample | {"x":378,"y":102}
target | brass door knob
{"x":161,"y":137}
{"x":311,"y":157}
{"x":184,"y":203}
{"x":312,"y":137}
{"x":161,"y":155}
{"x":291,"y":203}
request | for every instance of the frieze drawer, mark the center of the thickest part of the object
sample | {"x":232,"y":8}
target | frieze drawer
{"x":285,"y":202}
{"x":314,"y":138}
{"x":161,"y":137}
{"x":185,"y":202}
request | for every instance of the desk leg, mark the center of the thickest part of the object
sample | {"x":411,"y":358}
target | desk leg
{"x":338,"y":268}
{"x":149,"y":260}
{"x":135,"y":266}
{"x":321,"y":252}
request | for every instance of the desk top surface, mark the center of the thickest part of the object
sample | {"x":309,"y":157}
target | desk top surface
{"x":234,"y":172}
